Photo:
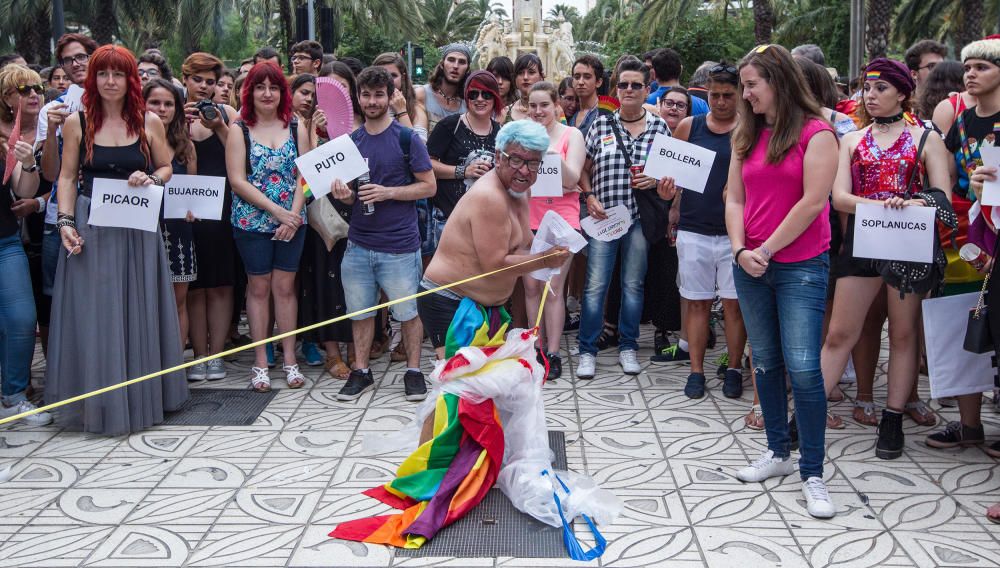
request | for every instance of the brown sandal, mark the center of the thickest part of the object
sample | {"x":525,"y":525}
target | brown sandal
{"x":337,"y":368}
{"x":834,"y":422}
{"x":754,"y":420}
{"x":865,"y":413}
{"x":920,"y":413}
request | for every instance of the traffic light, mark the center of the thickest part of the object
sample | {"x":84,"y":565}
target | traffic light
{"x":418,"y":62}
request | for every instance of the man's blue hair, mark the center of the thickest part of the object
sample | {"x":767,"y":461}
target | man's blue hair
{"x":527,"y":134}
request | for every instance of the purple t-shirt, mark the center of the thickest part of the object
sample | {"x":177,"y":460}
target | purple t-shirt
{"x":393,"y":226}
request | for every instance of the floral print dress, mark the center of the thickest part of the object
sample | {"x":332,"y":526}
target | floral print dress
{"x":273,"y":172}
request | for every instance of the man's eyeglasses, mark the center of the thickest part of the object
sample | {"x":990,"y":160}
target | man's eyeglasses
{"x":635,"y":86}
{"x":474,"y":94}
{"x":296,"y":58}
{"x":679,"y":105}
{"x":78,"y":59}
{"x":25,"y":90}
{"x":198,"y":79}
{"x":516,"y":162}
{"x":149,"y":73}
{"x":723,"y":69}
{"x":930,"y":66}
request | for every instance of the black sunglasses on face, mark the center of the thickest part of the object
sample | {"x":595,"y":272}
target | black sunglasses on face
{"x":474,"y":94}
{"x":625,"y":85}
{"x":25,"y":90}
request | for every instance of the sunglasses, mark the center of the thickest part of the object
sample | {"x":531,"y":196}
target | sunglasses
{"x":474,"y":94}
{"x":724,"y":69}
{"x":198,"y":79}
{"x":635,"y":86}
{"x":79,"y":59}
{"x":516,"y":162}
{"x":25,"y":90}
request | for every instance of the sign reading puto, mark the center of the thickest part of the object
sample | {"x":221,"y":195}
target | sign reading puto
{"x":337,"y":159}
{"x":201,"y":195}
{"x":549,"y":182}
{"x":687,"y":163}
{"x":905,"y":234}
{"x":114,"y":203}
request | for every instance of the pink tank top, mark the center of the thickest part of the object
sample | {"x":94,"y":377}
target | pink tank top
{"x":773,"y":189}
{"x":567,"y":206}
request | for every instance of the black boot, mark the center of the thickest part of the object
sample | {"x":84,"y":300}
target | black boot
{"x":890,"y":435}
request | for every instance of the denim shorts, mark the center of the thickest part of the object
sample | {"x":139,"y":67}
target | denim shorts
{"x":365,"y":272}
{"x":261,"y":255}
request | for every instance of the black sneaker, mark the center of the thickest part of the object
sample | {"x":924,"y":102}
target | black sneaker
{"x":695,"y":387}
{"x":555,"y":366}
{"x":572,"y":322}
{"x":607,"y":339}
{"x":357,"y":383}
{"x":956,"y":434}
{"x":994,"y":450}
{"x":732,"y":384}
{"x":414,"y":386}
{"x":670,"y":355}
{"x":793,"y":434}
{"x":661,"y":341}
{"x":890,"y":436}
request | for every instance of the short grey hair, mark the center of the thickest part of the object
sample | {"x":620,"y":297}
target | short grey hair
{"x":812,"y":52}
{"x":700,"y":76}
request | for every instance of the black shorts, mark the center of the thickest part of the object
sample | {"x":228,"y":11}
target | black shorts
{"x":436,"y":312}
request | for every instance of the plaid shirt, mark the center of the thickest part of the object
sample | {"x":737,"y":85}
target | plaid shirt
{"x":609,"y":174}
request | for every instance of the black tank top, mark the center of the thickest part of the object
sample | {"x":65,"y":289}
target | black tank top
{"x":211,"y":154}
{"x":8,"y":221}
{"x":110,"y":162}
{"x":705,"y":213}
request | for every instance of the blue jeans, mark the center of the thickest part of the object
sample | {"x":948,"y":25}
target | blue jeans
{"x":17,"y":320}
{"x":600,"y":266}
{"x":365,"y":272}
{"x":783,"y":312}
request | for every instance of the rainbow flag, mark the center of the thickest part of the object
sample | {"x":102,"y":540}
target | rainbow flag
{"x":872,"y":75}
{"x":305,"y":187}
{"x":450,"y":474}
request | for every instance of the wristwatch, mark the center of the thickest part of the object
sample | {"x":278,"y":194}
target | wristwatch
{"x":32,"y":169}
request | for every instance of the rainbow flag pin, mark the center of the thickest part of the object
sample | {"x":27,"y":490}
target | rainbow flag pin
{"x":872,"y":75}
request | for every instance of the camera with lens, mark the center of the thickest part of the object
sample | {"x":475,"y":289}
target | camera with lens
{"x":207,"y":110}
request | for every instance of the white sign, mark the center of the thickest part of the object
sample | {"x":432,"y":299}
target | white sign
{"x":614,"y":227}
{"x":953,"y":371}
{"x":201,"y":195}
{"x":991,"y":189}
{"x":554,"y":231}
{"x":115,"y":203}
{"x":337,"y":159}
{"x":905,"y":234}
{"x":549,"y":182}
{"x":687,"y":163}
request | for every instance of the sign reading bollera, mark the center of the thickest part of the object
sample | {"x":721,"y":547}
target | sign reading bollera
{"x":201,"y":195}
{"x":115,"y":203}
{"x":687,"y":163}
{"x":905,"y":234}
{"x":337,"y":159}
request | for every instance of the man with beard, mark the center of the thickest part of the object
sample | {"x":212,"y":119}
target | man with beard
{"x":489,"y":230}
{"x":442,"y":95}
{"x":383,"y":244}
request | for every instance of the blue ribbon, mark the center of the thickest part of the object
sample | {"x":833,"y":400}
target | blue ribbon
{"x":573,"y":547}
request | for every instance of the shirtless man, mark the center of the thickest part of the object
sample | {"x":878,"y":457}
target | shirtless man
{"x":487,"y":231}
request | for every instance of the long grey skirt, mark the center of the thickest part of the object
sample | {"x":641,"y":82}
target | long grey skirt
{"x":114,"y":318}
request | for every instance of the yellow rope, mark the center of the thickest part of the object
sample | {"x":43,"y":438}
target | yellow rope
{"x":84,"y":396}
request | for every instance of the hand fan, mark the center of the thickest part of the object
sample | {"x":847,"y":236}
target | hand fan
{"x":608,"y":104}
{"x":15,"y":135}
{"x":334,"y":100}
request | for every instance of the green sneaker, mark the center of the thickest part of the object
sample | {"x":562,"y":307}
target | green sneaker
{"x":671,"y":354}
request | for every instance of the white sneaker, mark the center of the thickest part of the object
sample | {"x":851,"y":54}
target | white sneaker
{"x":765,"y":467}
{"x":818,"y":501}
{"x":40,"y":419}
{"x":586,"y":366}
{"x":215,"y":370}
{"x":197,"y":372}
{"x":948,"y":401}
{"x":850,"y":376}
{"x":629,"y":362}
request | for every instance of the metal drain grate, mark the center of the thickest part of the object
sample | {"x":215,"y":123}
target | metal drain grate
{"x":495,"y":528}
{"x":220,"y":407}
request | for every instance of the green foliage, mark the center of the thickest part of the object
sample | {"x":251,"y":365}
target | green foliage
{"x":827,"y":24}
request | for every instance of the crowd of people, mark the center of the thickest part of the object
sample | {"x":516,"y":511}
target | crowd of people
{"x":448,"y":196}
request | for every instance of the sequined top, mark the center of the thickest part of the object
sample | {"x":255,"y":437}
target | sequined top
{"x":880,"y":174}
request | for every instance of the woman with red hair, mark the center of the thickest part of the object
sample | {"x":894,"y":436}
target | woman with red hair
{"x":268,"y":210}
{"x":113,"y":312}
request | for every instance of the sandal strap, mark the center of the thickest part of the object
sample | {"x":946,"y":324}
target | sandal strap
{"x":867,"y":405}
{"x":292,"y":374}
{"x":757,"y":410}
{"x":260,"y":376}
{"x":919,"y":406}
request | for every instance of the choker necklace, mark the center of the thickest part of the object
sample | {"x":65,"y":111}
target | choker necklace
{"x":882,"y":122}
{"x":623,"y":119}
{"x":447,"y":99}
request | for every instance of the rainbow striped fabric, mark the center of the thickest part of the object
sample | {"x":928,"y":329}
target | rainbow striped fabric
{"x":872,"y":75}
{"x":451,"y":473}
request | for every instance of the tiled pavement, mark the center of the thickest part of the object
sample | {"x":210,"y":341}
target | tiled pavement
{"x":267,"y":494}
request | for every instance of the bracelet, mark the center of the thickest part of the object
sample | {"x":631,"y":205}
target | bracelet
{"x":767,"y":251}
{"x":736,"y":257}
{"x":60,"y":216}
{"x":41,"y":203}
{"x":587,"y":194}
{"x":156,"y":179}
{"x":65,"y":222}
{"x":460,"y":171}
{"x":399,"y":114}
{"x":30,"y":169}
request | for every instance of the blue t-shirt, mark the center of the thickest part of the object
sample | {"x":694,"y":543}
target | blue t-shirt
{"x":698,"y":106}
{"x":393,"y":226}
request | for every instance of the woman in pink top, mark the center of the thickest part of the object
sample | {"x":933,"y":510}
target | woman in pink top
{"x":568,"y":143}
{"x":779,"y":226}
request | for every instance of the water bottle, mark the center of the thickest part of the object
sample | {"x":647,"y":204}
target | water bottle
{"x":364,"y":179}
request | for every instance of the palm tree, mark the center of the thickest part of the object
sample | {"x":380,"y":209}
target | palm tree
{"x":659,"y":14}
{"x":595,"y":26}
{"x":448,"y":20}
{"x":973,"y":14}
{"x":27,"y":22}
{"x":763,"y":21}
{"x":878,"y":20}
{"x":489,"y":7}
{"x":567,"y":13}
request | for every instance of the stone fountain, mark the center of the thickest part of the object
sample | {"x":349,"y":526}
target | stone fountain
{"x":528,"y":32}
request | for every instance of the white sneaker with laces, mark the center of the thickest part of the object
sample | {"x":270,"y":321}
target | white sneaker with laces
{"x":818,"y":501}
{"x":765,"y":467}
{"x":629,"y":362}
{"x":40,"y":419}
{"x":586,"y":366}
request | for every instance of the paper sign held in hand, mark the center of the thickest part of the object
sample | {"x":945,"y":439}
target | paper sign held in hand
{"x":115,"y":203}
{"x":991,"y":189}
{"x":549,"y":182}
{"x":905,"y":234}
{"x":554,"y":231}
{"x":687,"y":163}
{"x":201,"y":195}
{"x":614,"y":227}
{"x":337,"y":159}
